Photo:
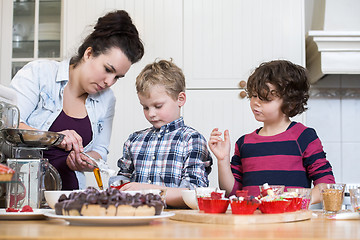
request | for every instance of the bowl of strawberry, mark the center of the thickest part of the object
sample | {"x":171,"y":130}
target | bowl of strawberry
{"x":215,"y":203}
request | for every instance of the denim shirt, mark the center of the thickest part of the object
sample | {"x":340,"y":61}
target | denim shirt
{"x":39,"y":86}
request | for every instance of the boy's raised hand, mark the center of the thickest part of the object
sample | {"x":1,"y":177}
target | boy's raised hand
{"x":220,"y":147}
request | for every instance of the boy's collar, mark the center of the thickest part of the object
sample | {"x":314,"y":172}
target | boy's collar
{"x":172,"y":125}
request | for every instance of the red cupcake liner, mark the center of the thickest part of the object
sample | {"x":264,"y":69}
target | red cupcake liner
{"x":215,"y":206}
{"x":200,"y":204}
{"x":274,"y":206}
{"x":243,"y":207}
{"x":294,"y":205}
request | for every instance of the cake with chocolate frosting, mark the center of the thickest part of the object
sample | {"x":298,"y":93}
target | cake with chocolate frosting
{"x":110,"y":202}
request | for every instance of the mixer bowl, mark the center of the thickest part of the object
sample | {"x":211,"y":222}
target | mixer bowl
{"x":31,"y":138}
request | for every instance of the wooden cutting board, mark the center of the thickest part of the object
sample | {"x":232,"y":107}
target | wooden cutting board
{"x":229,"y":218}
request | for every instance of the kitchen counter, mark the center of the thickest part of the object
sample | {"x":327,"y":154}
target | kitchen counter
{"x":315,"y":228}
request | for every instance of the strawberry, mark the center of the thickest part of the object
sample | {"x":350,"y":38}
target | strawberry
{"x":241,"y":193}
{"x":12,"y":210}
{"x":26,"y":208}
{"x":215,"y":196}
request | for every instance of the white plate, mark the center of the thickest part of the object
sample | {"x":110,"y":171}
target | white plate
{"x":345,"y":216}
{"x":37,"y":214}
{"x":101,"y":220}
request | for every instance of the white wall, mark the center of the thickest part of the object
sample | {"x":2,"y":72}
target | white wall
{"x":334,"y":112}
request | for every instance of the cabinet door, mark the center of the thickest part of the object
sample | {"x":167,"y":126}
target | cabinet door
{"x":224,"y":40}
{"x":159,"y":23}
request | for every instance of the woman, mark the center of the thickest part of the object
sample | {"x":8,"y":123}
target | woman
{"x":74,"y":97}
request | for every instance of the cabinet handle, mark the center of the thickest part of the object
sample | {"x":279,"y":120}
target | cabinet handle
{"x":242,"y":94}
{"x":242,"y":84}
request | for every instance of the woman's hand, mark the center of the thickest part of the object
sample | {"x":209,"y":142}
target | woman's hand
{"x":79,"y":164}
{"x":71,"y":141}
{"x":220,"y":147}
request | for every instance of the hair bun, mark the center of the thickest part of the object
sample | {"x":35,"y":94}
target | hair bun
{"x":113,"y":23}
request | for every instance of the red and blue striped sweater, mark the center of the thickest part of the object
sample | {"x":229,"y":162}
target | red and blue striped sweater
{"x":294,"y":158}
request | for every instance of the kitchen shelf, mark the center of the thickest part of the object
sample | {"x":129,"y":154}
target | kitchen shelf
{"x":36,"y":31}
{"x":46,"y":49}
{"x":26,"y":8}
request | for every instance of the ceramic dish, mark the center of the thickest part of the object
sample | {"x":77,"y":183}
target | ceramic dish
{"x":37,"y":214}
{"x":106,"y":221}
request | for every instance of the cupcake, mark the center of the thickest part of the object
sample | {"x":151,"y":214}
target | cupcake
{"x":295,"y":201}
{"x":243,"y":204}
{"x":215,"y":203}
{"x":273,"y":204}
{"x":304,"y":193}
{"x":204,"y":192}
{"x":271,"y":201}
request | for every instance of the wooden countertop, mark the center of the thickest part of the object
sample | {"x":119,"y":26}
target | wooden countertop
{"x":315,"y":228}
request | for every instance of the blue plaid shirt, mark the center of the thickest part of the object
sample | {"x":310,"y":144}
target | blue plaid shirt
{"x":173,"y":156}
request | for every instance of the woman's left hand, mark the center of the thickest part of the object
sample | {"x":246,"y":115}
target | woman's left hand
{"x":71,"y":141}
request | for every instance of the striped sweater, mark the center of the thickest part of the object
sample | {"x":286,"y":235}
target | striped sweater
{"x":294,"y":158}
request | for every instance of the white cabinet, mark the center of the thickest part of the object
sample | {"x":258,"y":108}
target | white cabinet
{"x":216,"y":42}
{"x":31,"y":30}
{"x":224,"y":40}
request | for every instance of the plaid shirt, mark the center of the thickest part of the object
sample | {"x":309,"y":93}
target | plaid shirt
{"x":174,"y":155}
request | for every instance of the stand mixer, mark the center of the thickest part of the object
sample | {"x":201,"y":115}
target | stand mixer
{"x":22,"y":150}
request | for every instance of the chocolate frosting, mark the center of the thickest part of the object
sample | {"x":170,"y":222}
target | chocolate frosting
{"x":110,"y":196}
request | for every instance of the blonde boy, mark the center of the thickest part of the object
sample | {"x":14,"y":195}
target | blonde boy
{"x":169,"y":154}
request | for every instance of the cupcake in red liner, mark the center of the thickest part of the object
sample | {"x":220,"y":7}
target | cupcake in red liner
{"x":210,"y":193}
{"x":304,"y":194}
{"x":215,"y":205}
{"x":200,"y":203}
{"x":274,"y":206}
{"x":295,"y":204}
{"x":243,"y":207}
{"x":242,"y":203}
{"x":295,"y":201}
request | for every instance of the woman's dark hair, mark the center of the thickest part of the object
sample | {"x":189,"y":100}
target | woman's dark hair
{"x":115,"y":29}
{"x":290,"y":82}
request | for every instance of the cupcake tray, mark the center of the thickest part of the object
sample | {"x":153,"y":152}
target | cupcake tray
{"x":228,"y":218}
